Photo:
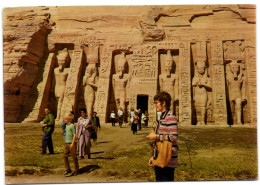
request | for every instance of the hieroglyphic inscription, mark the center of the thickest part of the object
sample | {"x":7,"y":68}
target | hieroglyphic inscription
{"x":185,"y":96}
{"x":251,"y":81}
{"x":103,"y":84}
{"x":219,"y":92}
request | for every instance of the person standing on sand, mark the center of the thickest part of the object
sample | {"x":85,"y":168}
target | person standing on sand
{"x":166,"y":129}
{"x":83,"y":132}
{"x":70,"y":145}
{"x":48,"y":125}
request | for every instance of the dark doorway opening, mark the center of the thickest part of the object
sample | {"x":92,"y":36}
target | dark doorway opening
{"x":142,"y":102}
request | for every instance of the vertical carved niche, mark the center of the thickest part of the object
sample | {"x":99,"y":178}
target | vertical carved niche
{"x":63,"y":55}
{"x":201,"y":84}
{"x":168,"y":76}
{"x":89,"y":78}
{"x":235,"y":70}
{"x":119,"y":82}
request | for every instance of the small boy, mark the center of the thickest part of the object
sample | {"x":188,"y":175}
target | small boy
{"x":70,"y":145}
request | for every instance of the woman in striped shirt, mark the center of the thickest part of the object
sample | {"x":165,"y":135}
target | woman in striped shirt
{"x":166,"y":129}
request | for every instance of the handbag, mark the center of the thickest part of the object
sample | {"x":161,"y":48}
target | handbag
{"x":164,"y":149}
{"x":162,"y":153}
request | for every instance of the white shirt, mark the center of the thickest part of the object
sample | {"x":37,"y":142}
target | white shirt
{"x":120,"y":112}
{"x":113,"y":115}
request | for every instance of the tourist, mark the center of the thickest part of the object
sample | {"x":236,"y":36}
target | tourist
{"x":166,"y":129}
{"x":70,"y":145}
{"x":120,"y":114}
{"x":113,"y":118}
{"x":83,"y":132}
{"x":48,"y":125}
{"x":146,"y":118}
{"x":131,"y":115}
{"x":135,"y":123}
{"x":139,"y":123}
{"x":63,"y":126}
{"x":96,"y":126}
{"x":142,"y":120}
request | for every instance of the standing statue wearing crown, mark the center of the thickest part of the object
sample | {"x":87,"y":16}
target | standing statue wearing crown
{"x":201,"y":84}
{"x":90,"y":78}
{"x":236,"y":89}
{"x":120,"y":82}
{"x":60,"y":76}
{"x":168,"y":81}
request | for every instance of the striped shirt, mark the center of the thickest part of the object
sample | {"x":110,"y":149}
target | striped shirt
{"x":167,"y":128}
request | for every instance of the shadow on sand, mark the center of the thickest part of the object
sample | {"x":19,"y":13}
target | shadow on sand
{"x":88,"y":169}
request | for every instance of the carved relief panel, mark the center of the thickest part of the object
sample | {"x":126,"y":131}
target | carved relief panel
{"x":201,"y":84}
{"x":73,"y":83}
{"x":185,"y":84}
{"x":168,"y":75}
{"x":144,"y":75}
{"x":235,"y":70}
{"x":118,"y":79}
{"x":251,"y":83}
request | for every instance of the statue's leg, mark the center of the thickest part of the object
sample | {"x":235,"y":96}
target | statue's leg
{"x":238,"y":110}
{"x":59,"y":99}
{"x":122,"y":105}
{"x":89,"y":97}
{"x":203,"y":115}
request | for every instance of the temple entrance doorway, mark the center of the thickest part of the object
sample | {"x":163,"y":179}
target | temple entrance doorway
{"x":142,"y":102}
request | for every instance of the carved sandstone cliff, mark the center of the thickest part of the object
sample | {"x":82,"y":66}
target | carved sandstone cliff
{"x":201,"y":41}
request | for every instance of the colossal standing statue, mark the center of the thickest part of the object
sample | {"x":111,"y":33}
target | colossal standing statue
{"x":236,"y":90}
{"x":201,"y":84}
{"x":90,"y":78}
{"x":60,"y":76}
{"x":120,"y":82}
{"x":168,"y":81}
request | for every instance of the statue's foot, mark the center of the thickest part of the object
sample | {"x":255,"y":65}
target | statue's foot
{"x":200,"y":123}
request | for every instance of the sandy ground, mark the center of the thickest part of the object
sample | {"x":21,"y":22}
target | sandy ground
{"x":109,"y":138}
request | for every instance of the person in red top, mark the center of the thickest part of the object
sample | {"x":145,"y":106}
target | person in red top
{"x":166,"y":129}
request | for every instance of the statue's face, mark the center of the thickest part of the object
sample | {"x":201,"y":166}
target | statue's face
{"x":235,"y":68}
{"x":121,"y":68}
{"x":168,"y":69}
{"x":90,"y":70}
{"x":61,"y":62}
{"x":201,"y":67}
{"x":201,"y":70}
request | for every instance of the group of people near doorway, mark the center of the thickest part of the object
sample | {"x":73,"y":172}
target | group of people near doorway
{"x":85,"y":130}
{"x":166,"y":130}
{"x":136,"y":118}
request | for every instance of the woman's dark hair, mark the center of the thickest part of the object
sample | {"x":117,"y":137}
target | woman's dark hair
{"x":163,"y":97}
{"x":83,"y":110}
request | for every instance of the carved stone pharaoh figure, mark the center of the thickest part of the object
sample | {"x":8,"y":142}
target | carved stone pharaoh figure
{"x":168,"y":80}
{"x":235,"y":83}
{"x":120,"y":82}
{"x":201,"y":84}
{"x":60,"y":75}
{"x":90,"y":78}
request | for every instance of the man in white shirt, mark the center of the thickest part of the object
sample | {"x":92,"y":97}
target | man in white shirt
{"x":113,"y":118}
{"x":120,"y":116}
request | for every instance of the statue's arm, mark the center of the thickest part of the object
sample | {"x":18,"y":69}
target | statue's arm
{"x":207,"y":85}
{"x":176,"y":89}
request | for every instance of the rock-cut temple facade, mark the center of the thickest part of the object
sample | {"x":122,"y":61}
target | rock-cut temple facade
{"x":105,"y":58}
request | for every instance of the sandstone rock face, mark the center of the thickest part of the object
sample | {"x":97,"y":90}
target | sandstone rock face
{"x":121,"y":56}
